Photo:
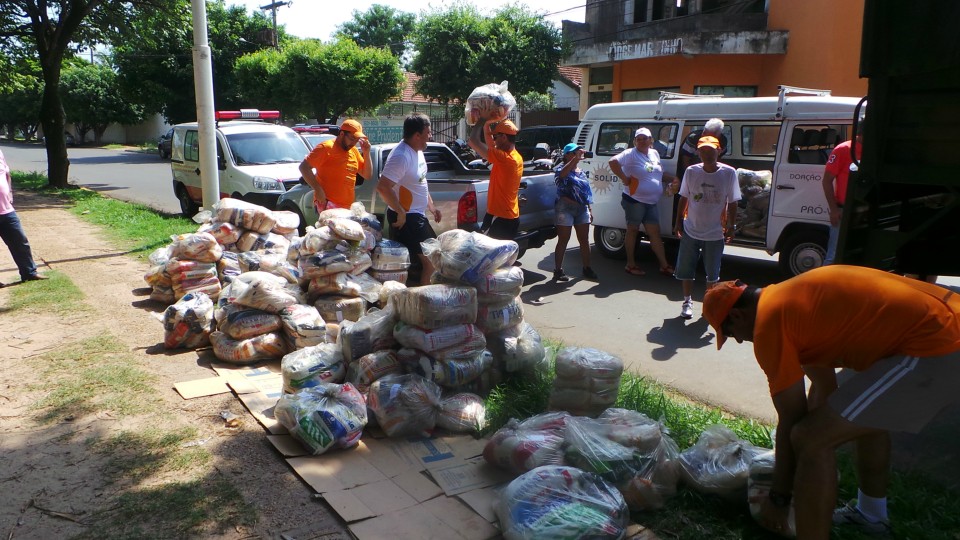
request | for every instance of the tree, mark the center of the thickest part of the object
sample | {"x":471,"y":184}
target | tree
{"x":156,"y":69}
{"x":328,"y":80}
{"x":52,"y":28}
{"x":92,"y":101}
{"x":255,"y":74}
{"x":20,"y":92}
{"x":459,"y":49}
{"x":535,"y":101}
{"x":380,"y":26}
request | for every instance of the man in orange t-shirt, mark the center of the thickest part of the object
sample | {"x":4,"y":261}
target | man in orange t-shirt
{"x":901,"y":339}
{"x":337,"y":163}
{"x":503,"y":206}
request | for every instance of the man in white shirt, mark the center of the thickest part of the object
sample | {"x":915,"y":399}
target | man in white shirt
{"x":706,"y":218}
{"x":403,"y":186}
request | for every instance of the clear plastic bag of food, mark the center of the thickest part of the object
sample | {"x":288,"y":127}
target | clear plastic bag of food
{"x":346,"y":228}
{"x":389,"y":289}
{"x":269,"y":346}
{"x":287,"y":222}
{"x":228,"y":267}
{"x":363,"y":371}
{"x":497,"y":317}
{"x":390,"y":255}
{"x":266,"y":291}
{"x":188,"y":323}
{"x":243,"y":214}
{"x":759,"y":482}
{"x":489,"y":101}
{"x":436,"y":306}
{"x":468,"y":256}
{"x":303,"y":325}
{"x":462,"y":413}
{"x":202,"y":247}
{"x":241,"y":322}
{"x":429,"y":341}
{"x":274,"y":263}
{"x":225,"y":233}
{"x":372,"y":332}
{"x":336,"y":309}
{"x":311,"y":366}
{"x":519,"y":349}
{"x":323,"y":417}
{"x":719,"y":463}
{"x":577,"y":362}
{"x":404,"y":405}
{"x":561,"y":502}
{"x":523,"y":446}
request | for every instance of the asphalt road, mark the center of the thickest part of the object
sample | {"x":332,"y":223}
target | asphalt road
{"x":128,"y":175}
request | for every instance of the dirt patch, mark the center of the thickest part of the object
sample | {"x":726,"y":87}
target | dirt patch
{"x":51,"y":482}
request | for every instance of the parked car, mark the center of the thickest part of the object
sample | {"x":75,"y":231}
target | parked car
{"x":316,"y":134}
{"x":530,"y":139}
{"x":164,"y":144}
{"x":458,"y":192}
{"x":257,"y":160}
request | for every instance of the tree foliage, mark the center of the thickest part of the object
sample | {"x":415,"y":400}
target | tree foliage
{"x":156,"y":69}
{"x":92,"y":100}
{"x":21,"y":88}
{"x":53,"y":30}
{"x":327,"y":80}
{"x":380,"y":26}
{"x":458,"y":49}
{"x":535,"y":101}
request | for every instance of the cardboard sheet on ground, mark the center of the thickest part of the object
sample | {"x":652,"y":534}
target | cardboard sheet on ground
{"x":258,"y":388}
{"x":441,"y":518}
{"x":201,"y":387}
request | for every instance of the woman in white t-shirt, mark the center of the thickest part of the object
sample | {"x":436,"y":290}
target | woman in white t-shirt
{"x":641,"y":174}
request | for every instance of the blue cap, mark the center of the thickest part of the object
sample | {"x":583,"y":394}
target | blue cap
{"x":571,"y":147}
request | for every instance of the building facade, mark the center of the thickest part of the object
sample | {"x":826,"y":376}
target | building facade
{"x":630,"y":50}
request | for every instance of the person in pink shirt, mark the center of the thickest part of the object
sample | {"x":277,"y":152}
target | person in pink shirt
{"x":12,"y":231}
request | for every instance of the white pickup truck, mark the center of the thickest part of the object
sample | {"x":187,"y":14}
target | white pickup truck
{"x":458,"y":192}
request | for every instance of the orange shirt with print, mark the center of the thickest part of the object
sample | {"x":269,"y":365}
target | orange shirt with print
{"x":336,"y":171}
{"x":503,"y":195}
{"x":850,"y":317}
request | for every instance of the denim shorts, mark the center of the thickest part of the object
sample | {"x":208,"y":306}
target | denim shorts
{"x":689,"y":254}
{"x":638,"y":213}
{"x":570,"y":213}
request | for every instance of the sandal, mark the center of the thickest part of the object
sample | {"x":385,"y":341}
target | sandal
{"x":635,"y":270}
{"x":667,"y":271}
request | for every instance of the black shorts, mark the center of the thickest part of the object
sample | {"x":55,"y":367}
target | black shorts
{"x":415,"y":230}
{"x":500,"y":228}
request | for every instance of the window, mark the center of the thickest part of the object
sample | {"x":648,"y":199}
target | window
{"x":191,"y":146}
{"x":601,"y":75}
{"x":647,"y":10}
{"x":648,"y":94}
{"x":727,"y":134}
{"x":596,"y":98}
{"x":617,"y":137}
{"x":759,"y":140}
{"x":726,"y":91}
{"x":811,"y":144}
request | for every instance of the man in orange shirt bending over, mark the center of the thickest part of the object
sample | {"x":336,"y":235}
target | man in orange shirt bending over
{"x":337,"y":163}
{"x":503,"y":206}
{"x":899,"y":337}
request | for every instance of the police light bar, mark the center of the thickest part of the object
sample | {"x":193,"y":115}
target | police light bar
{"x":247,"y":114}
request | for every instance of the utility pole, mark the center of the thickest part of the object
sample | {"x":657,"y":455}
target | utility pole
{"x":273,"y":7}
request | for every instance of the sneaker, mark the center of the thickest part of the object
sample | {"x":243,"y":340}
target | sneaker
{"x":588,"y":273}
{"x":850,"y":514}
{"x":687,"y":310}
{"x":558,"y":275}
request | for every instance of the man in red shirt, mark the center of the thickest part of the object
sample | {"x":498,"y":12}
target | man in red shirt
{"x":835,"y":176}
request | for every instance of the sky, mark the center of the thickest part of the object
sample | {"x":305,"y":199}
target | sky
{"x":319,"y":18}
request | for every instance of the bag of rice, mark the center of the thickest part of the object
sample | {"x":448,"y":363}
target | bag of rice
{"x":376,"y":365}
{"x":436,"y":339}
{"x":390,"y":255}
{"x":324,"y":417}
{"x":372,"y":332}
{"x":346,"y":228}
{"x":243,"y":214}
{"x":496,"y":317}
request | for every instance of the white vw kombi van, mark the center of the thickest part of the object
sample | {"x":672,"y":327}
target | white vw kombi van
{"x":257,"y":161}
{"x":788,"y":136}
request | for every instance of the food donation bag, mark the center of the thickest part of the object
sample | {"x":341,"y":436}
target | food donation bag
{"x":323,"y":417}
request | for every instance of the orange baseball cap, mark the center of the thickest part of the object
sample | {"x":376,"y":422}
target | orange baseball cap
{"x":717,"y":303}
{"x":352,"y":126}
{"x":506,"y":127}
{"x":708,"y":140}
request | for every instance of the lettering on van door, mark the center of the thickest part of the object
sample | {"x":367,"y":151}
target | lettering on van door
{"x":602,"y":179}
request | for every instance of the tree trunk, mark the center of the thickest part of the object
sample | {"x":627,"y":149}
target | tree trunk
{"x":98,"y":131}
{"x":53,"y":121}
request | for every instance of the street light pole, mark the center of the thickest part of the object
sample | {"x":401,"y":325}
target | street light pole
{"x":273,"y":7}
